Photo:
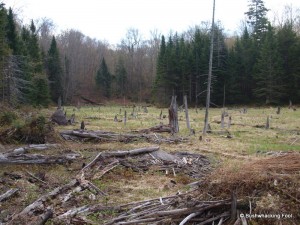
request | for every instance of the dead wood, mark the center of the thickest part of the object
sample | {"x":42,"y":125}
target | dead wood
{"x":90,"y":101}
{"x":35,"y":159}
{"x":104,"y":136}
{"x":59,"y":117}
{"x":157,"y":129}
{"x":39,"y":203}
{"x":8,"y":194}
{"x":173,"y":115}
{"x":26,"y":149}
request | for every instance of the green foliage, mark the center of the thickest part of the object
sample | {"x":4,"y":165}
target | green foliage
{"x":7,"y":118}
{"x":40,"y":91}
{"x":103,"y":78}
{"x":11,"y":33}
{"x":268,"y":76}
{"x":54,"y":71}
{"x":121,"y":76}
{"x":257,"y":18}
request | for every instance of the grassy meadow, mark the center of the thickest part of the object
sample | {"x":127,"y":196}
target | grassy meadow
{"x":230,"y":150}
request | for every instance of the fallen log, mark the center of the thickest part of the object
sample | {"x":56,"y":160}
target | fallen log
{"x":157,"y":129}
{"x":26,"y":149}
{"x":35,"y":159}
{"x":104,"y":136}
{"x":8,"y":194}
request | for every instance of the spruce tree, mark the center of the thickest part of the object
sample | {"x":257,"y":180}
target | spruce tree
{"x":12,"y":36}
{"x":121,"y":76}
{"x":4,"y":49}
{"x":103,"y":78}
{"x":257,"y":18}
{"x":54,"y":71}
{"x":289,"y":49}
{"x":269,"y":86}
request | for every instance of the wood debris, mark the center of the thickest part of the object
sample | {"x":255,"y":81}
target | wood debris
{"x":106,"y":136}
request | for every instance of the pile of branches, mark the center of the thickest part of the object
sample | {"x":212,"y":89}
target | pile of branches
{"x":151,"y":158}
{"x":58,"y":204}
{"x":178,"y":209}
{"x":106,"y":136}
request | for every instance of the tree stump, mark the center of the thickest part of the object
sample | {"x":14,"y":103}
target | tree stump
{"x":173,"y":115}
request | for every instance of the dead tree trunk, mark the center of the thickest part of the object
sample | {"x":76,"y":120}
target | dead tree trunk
{"x":186,"y":113}
{"x":268,"y":123}
{"x":173,"y":116}
{"x":222,"y":119}
{"x":209,"y":72}
{"x":290,"y":104}
{"x":229,"y":122}
{"x":125,"y":117}
{"x":278,"y":110}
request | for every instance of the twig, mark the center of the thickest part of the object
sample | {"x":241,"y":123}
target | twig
{"x":36,"y":178}
{"x":192,"y":215}
{"x":92,"y":162}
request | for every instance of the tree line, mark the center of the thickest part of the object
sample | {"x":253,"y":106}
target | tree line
{"x":261,"y":67}
{"x":258,"y":66}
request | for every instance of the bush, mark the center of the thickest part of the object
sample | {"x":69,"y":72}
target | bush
{"x":7,"y":118}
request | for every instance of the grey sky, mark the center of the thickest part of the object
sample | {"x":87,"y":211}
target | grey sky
{"x":110,"y":19}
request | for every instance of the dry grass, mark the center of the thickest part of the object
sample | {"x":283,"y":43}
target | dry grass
{"x":242,"y":161}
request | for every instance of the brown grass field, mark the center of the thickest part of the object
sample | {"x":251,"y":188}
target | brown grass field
{"x":262,"y":166}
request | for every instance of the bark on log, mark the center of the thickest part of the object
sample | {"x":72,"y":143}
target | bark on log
{"x":157,"y":129}
{"x":35,"y":159}
{"x":8,"y":194}
{"x":102,"y":136}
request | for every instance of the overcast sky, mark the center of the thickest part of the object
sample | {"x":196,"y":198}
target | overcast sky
{"x":110,"y":19}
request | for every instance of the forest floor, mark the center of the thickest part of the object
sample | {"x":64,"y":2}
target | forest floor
{"x":260,"y":166}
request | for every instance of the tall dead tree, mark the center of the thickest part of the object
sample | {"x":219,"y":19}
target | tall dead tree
{"x":209,"y":71}
{"x":173,"y":115}
{"x":186,"y":113}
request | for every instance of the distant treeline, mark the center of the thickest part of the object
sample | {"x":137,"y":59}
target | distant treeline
{"x":260,"y":66}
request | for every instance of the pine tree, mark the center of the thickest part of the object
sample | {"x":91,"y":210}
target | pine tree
{"x":159,"y":87}
{"x":37,"y":90}
{"x":54,"y":71}
{"x":103,"y":78}
{"x":268,"y":76}
{"x":289,"y":49}
{"x":257,"y":18}
{"x":12,"y":36}
{"x":4,"y":49}
{"x":121,"y":76}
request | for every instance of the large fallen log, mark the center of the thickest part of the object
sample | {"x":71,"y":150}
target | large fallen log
{"x":104,"y":136}
{"x":17,"y":158}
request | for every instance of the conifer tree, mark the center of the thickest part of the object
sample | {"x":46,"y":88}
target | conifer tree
{"x":269,"y":86}
{"x":121,"y":76}
{"x":103,"y":78}
{"x":4,"y":49}
{"x":257,"y":18}
{"x":12,"y":36}
{"x":54,"y":71}
{"x":289,"y":49}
